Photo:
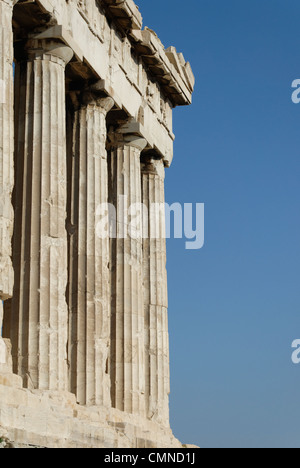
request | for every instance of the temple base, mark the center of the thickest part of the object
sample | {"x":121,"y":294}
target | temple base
{"x":33,"y":418}
{"x":55,"y":421}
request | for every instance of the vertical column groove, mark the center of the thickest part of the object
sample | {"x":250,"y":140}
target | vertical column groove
{"x":39,"y":310}
{"x":6,"y":149}
{"x":155,"y":294}
{"x":89,"y":297}
{"x":127,"y":323}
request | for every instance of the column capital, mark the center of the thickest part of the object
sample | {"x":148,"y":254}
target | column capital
{"x":92,"y":98}
{"x":40,"y":48}
{"x":152,"y":164}
{"x":125,"y":136}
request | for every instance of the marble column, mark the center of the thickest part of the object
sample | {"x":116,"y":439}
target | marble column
{"x":155,"y":293}
{"x":127,"y":364}
{"x":39,"y":329}
{"x":6,"y":149}
{"x":89,"y":282}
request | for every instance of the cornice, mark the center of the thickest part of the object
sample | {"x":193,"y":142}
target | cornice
{"x":167,"y":67}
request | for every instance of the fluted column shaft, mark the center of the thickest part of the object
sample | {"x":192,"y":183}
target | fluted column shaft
{"x":127,"y":364}
{"x":6,"y":149}
{"x":39,"y":310}
{"x":155,"y":293}
{"x":89,"y":299}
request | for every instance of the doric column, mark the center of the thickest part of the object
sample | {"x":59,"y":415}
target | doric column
{"x":6,"y":149}
{"x":127,"y":366}
{"x":39,"y":310}
{"x":155,"y":293}
{"x":89,"y":282}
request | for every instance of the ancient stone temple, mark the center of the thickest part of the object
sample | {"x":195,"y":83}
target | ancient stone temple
{"x":86,"y":101}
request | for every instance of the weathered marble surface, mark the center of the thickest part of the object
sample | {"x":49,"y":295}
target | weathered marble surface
{"x":85,"y":359}
{"x":6,"y":148}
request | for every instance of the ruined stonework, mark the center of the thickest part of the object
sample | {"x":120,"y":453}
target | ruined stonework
{"x":85,"y":120}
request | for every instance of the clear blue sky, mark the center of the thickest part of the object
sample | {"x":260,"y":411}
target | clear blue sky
{"x":235,"y":304}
